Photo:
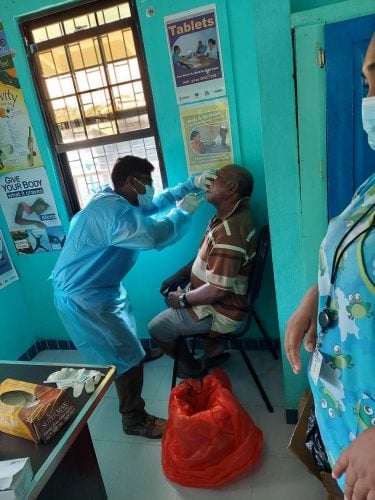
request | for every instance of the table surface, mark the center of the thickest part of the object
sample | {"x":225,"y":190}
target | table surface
{"x":46,"y":457}
{"x":200,"y":61}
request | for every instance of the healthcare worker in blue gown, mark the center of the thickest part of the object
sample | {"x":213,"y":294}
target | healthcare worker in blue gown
{"x":102,"y":245}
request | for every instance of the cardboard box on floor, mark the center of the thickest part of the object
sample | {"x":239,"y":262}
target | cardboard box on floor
{"x":298,"y":447}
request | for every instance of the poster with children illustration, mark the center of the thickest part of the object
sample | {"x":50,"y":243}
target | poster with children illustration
{"x":195,"y":55}
{"x":7,"y":272}
{"x":207,"y":135}
{"x":30,"y":211}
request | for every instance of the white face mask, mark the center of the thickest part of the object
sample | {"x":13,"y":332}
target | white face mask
{"x":368,"y":119}
{"x":145,"y":200}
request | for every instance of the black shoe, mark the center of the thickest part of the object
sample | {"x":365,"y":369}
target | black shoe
{"x":152,"y":354}
{"x":216,"y":360}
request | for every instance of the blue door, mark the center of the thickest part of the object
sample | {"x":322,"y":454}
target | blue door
{"x":349,"y":159}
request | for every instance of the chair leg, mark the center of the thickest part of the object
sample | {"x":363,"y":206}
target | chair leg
{"x":193,"y":346}
{"x":265,"y":335}
{"x":255,"y":376}
{"x":175,"y":362}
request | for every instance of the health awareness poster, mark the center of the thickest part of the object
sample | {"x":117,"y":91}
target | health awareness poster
{"x":207,"y":135}
{"x":195,"y":54}
{"x":18,"y":147}
{"x":30,"y":211}
{"x":7,"y":272}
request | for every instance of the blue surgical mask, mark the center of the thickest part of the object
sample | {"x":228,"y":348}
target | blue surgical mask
{"x":368,"y":119}
{"x":145,"y":200}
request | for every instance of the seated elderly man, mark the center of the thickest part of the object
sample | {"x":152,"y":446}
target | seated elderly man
{"x":215,"y":302}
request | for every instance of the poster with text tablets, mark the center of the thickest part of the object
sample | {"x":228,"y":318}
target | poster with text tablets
{"x":195,"y":54}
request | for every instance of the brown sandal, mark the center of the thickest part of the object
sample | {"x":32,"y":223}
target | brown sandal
{"x":152,"y":427}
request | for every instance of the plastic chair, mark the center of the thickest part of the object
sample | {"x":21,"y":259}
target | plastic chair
{"x":255,"y":282}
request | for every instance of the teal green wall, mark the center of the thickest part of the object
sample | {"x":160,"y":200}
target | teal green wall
{"x":257,"y":53}
{"x":312,"y":222}
{"x":152,"y":267}
{"x":300,"y":5}
{"x":17,"y":330}
{"x":239,"y":56}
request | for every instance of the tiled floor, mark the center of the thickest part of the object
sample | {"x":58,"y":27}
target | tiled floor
{"x":131,"y":466}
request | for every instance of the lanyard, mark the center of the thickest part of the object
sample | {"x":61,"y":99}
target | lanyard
{"x":327,"y":316}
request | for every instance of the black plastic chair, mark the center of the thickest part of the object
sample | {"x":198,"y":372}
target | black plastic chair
{"x":255,"y":282}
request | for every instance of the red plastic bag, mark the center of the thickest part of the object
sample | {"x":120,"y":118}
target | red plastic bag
{"x":210,"y":438}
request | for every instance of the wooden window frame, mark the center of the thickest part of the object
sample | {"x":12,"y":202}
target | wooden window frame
{"x":58,"y":14}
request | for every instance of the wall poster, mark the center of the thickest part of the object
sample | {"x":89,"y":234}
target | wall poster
{"x":207,"y":135}
{"x":194,"y":47}
{"x":30,"y":211}
{"x":18,"y":147}
{"x":7,"y":272}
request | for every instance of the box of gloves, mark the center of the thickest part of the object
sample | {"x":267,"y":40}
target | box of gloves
{"x":15,"y":478}
{"x":32,"y":411}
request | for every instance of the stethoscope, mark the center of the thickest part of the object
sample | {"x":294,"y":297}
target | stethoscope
{"x":327,"y":317}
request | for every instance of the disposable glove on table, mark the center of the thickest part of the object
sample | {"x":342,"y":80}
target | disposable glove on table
{"x":77,"y":378}
{"x":203,"y":180}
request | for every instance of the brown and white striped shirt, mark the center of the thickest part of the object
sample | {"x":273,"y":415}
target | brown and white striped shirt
{"x":224,"y":260}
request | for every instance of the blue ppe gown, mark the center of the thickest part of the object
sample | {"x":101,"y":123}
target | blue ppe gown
{"x":103,"y":243}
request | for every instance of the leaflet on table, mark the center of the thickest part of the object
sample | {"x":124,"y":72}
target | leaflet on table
{"x":194,"y":48}
{"x":18,"y":146}
{"x":207,"y":135}
{"x":30,"y":211}
{"x":7,"y":272}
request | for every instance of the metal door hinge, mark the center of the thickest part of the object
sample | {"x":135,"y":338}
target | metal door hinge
{"x":321,"y":57}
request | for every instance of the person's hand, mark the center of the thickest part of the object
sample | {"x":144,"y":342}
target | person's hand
{"x":190,"y":203}
{"x":173,"y":298}
{"x":302,"y":324}
{"x":358,"y":462}
{"x":203,"y":180}
{"x":37,"y":223}
{"x":172,"y":280}
{"x":167,"y":283}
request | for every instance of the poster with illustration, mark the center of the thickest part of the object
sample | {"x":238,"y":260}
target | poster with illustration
{"x":30,"y":211}
{"x":195,"y":55}
{"x":207,"y":135}
{"x":7,"y":272}
{"x":18,"y":147}
{"x":4,"y":47}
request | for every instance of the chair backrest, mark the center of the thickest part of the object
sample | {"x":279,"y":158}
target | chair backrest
{"x":255,"y":279}
{"x":257,"y":270}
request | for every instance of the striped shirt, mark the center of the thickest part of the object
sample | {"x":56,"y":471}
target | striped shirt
{"x":224,"y":260}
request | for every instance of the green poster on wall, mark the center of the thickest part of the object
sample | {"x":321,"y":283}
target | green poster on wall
{"x":207,"y":135}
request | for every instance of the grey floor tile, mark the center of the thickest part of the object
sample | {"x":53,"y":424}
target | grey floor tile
{"x":58,"y":356}
{"x":111,"y":458}
{"x":276,"y":433}
{"x":105,"y":424}
{"x":131,"y":466}
{"x":276,"y":478}
{"x":141,"y":477}
{"x":239,"y":489}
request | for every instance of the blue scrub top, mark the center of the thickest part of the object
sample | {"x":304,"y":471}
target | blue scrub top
{"x":344,"y":392}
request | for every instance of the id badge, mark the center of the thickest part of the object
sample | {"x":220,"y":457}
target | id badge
{"x":316,"y":363}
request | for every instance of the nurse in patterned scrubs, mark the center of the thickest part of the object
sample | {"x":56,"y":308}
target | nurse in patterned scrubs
{"x":336,"y":319}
